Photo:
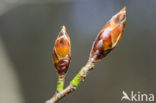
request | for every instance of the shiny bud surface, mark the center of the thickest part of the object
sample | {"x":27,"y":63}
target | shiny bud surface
{"x":109,"y":35}
{"x":62,"y":52}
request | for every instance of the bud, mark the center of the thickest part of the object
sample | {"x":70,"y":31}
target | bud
{"x":109,"y":36}
{"x":61,"y":52}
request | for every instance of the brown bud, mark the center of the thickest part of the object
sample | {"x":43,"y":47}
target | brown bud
{"x":61,"y":52}
{"x":109,"y":35}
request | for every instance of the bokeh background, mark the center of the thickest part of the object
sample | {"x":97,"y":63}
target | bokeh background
{"x":28,"y":29}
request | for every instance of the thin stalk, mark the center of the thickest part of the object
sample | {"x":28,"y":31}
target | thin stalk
{"x":75,"y":82}
{"x":60,"y":83}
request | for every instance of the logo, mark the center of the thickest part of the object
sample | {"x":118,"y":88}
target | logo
{"x":138,"y":96}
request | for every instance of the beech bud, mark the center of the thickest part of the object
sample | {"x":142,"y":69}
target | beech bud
{"x":62,"y":52}
{"x":109,"y":35}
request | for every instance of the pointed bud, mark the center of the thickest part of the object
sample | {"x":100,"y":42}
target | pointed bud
{"x":109,"y":35}
{"x":61,"y":52}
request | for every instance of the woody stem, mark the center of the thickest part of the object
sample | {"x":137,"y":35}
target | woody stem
{"x":75,"y":82}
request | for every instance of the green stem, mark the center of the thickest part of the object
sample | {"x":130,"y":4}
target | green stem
{"x":73,"y":84}
{"x":82,"y":74}
{"x":60,"y":83}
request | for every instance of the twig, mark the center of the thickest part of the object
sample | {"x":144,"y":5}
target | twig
{"x":60,"y":83}
{"x":74,"y":83}
{"x":105,"y":42}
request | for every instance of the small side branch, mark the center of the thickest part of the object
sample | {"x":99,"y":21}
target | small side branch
{"x":74,"y":83}
{"x":60,"y":83}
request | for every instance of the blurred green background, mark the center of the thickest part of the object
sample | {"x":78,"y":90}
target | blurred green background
{"x":28,"y":29}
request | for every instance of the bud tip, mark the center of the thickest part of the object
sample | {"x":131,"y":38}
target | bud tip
{"x":124,"y":9}
{"x":63,"y":29}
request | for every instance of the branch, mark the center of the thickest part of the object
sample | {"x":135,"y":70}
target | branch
{"x":74,"y":83}
{"x":106,"y":41}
